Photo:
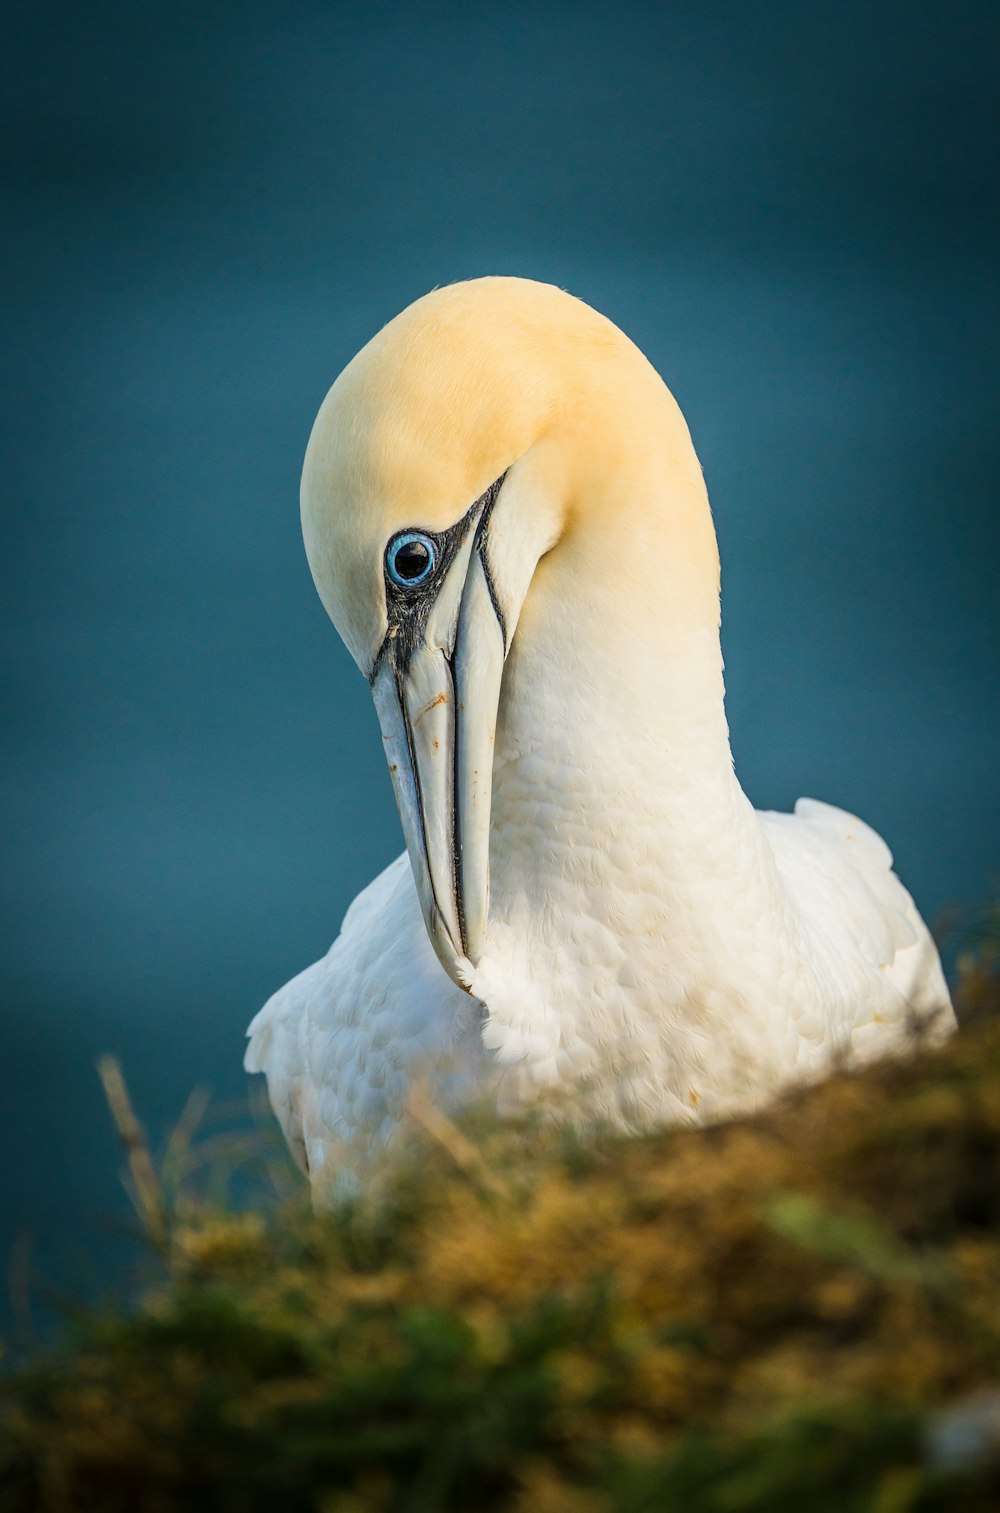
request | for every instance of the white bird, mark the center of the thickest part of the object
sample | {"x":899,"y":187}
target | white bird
{"x":507,"y":523}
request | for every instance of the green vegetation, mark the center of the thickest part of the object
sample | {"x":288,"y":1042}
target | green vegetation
{"x":800,"y":1311}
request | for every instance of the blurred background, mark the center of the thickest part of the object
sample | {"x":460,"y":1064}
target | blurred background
{"x":208,"y":208}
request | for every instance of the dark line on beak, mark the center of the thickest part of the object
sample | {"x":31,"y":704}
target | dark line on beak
{"x":456,"y":861}
{"x":397,"y":679}
{"x":409,"y":743}
{"x":456,"y":841}
{"x":492,"y":590}
{"x":481,"y":545}
{"x":380,"y":656}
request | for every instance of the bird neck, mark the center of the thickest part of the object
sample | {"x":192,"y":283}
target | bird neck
{"x":613,"y":772}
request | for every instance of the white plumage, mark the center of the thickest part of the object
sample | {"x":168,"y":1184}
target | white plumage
{"x":590,"y":910}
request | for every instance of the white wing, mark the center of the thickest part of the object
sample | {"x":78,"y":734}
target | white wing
{"x":275,"y":1048}
{"x":877,"y":955}
{"x":341,"y":1043}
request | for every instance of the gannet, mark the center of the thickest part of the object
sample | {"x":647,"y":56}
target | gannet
{"x":508,"y":525}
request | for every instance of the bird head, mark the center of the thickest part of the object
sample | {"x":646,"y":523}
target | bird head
{"x":492,"y":425}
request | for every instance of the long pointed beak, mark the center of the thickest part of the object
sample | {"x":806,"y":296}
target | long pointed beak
{"x":438,"y":715}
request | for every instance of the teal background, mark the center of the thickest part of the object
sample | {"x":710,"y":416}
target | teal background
{"x":207,"y":210}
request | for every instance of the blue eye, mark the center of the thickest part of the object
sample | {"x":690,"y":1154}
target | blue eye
{"x":410,"y":558}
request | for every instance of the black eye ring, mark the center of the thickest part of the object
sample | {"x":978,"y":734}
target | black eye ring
{"x":410,"y":559}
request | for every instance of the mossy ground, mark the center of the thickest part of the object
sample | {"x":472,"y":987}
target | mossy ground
{"x":800,"y":1311}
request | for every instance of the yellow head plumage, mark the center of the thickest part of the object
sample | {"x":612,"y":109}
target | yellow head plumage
{"x":462,"y":384}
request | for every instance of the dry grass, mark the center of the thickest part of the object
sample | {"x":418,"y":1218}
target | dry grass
{"x":799,"y":1311}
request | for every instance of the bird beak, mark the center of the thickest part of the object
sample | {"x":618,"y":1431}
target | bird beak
{"x":437,"y":706}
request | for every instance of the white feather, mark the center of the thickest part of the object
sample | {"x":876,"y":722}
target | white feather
{"x":342,"y":1043}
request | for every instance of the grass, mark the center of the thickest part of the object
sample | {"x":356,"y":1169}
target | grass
{"x":796,"y":1311}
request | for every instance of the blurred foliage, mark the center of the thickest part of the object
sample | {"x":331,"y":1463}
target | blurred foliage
{"x":796,"y":1311}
